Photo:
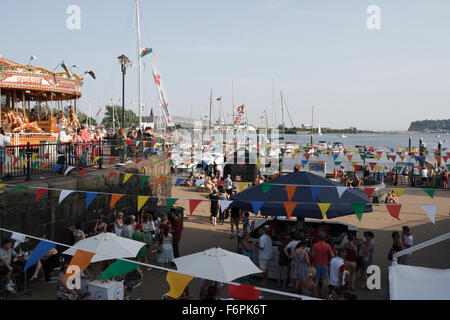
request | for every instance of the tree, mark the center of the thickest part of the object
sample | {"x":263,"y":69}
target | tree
{"x":131,"y":119}
{"x":83,"y":118}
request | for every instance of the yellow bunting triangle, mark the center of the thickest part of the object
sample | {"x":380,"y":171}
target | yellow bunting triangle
{"x":324,"y":208}
{"x":178,"y":283}
{"x":34,"y":155}
{"x":141,"y":201}
{"x":24,"y":163}
{"x":2,"y":186}
{"x":127,"y":176}
{"x":399,"y":192}
{"x":155,"y":161}
{"x":293,"y":156}
{"x":378,"y":168}
{"x":259,"y":165}
{"x":377,"y":156}
{"x":242,"y":186}
{"x":96,"y":159}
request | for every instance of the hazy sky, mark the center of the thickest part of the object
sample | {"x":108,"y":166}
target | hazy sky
{"x":318,"y":52}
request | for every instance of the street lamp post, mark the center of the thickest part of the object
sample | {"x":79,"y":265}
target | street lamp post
{"x":124,"y":63}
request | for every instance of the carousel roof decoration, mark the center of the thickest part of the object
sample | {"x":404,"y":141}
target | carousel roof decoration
{"x":39,"y":83}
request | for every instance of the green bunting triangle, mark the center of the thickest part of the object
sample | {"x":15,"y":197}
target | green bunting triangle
{"x":266,"y":187}
{"x":170,"y":202}
{"x":337,"y":163}
{"x":358,"y":208}
{"x":21,"y":154}
{"x":19,"y":189}
{"x":144,"y":179}
{"x":118,"y":268}
{"x":35,"y":164}
{"x":430,"y":192}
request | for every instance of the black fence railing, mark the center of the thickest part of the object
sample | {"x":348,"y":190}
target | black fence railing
{"x":46,"y":158}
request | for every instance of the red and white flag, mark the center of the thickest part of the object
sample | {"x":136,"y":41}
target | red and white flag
{"x":219,"y":99}
{"x":100,"y":110}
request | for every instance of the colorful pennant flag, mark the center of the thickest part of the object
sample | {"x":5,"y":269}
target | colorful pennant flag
{"x":430,"y":210}
{"x":90,"y":196}
{"x":369,"y":192}
{"x":224,"y":204}
{"x":358,"y":209}
{"x":146,"y":51}
{"x":394,"y":210}
{"x":341,"y":190}
{"x":170,"y":202}
{"x":82,"y":259}
{"x":290,"y":190}
{"x":179,"y":181}
{"x":39,"y":194}
{"x":324,"y":208}
{"x":243,"y":292}
{"x":114,"y":199}
{"x":160,"y":180}
{"x":266,"y":187}
{"x":256,"y":205}
{"x":144,"y":180}
{"x":83,"y":172}
{"x":193,"y":203}
{"x":111,"y":174}
{"x":111,"y":160}
{"x":314,"y":192}
{"x":64,"y":194}
{"x":19,"y":189}
{"x":38,"y":252}
{"x":127,"y":176}
{"x":45,"y":165}
{"x":430,"y":192}
{"x":289,"y":206}
{"x":178,"y":283}
{"x":399,"y":192}
{"x":141,"y":201}
{"x":138,"y":161}
{"x":118,"y":269}
{"x":70,"y":168}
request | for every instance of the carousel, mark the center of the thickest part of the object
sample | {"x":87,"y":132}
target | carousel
{"x":36,"y":104}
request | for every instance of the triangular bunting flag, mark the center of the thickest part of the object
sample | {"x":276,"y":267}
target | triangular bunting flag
{"x":399,"y":192}
{"x":224,"y":204}
{"x":324,"y":208}
{"x":2,"y":186}
{"x":160,"y":180}
{"x":19,"y":189}
{"x":138,"y":161}
{"x":68,"y":170}
{"x":314,"y":191}
{"x":111,"y":160}
{"x":45,"y":165}
{"x":82,"y":259}
{"x":144,"y":180}
{"x":39,"y":194}
{"x":90,"y":196}
{"x":289,"y":206}
{"x":369,"y":192}
{"x":349,"y":157}
{"x":83,"y":172}
{"x":358,"y":209}
{"x":290,"y":190}
{"x":193,"y":203}
{"x":177,"y":283}
{"x":127,"y":176}
{"x":141,"y":201}
{"x":57,"y":167}
{"x":430,"y":210}
{"x":372,"y":165}
{"x":35,"y":164}
{"x":243,"y":292}
{"x":266,"y":187}
{"x":24,"y":163}
{"x":96,"y":159}
{"x":430,"y":192}
{"x":341,"y":190}
{"x":256,"y":205}
{"x":242,"y":186}
{"x":179,"y":181}
{"x":155,"y":161}
{"x":394,"y":210}
{"x":114,"y":199}
{"x":64,"y":194}
{"x":111,"y":174}
{"x":170,"y":202}
{"x":41,"y":250}
{"x":118,"y":269}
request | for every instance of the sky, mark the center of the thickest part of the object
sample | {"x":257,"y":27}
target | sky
{"x":319,"y":53}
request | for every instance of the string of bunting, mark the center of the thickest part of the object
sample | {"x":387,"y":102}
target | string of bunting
{"x":358,"y":208}
{"x":176,"y":279}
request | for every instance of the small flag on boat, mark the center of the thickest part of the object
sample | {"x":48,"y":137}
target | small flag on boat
{"x":92,"y":74}
{"x":146,"y":51}
{"x":219,"y":99}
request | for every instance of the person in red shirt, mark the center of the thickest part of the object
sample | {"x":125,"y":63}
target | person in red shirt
{"x":322,"y":252}
{"x":176,"y":233}
{"x":322,"y":228}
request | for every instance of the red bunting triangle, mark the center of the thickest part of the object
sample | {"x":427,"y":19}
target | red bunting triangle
{"x":369,"y":191}
{"x":289,"y":206}
{"x":393,"y":158}
{"x":290,"y":191}
{"x":193,"y":204}
{"x":39,"y":194}
{"x":372,"y":165}
{"x":82,"y":172}
{"x":349,"y":157}
{"x":357,"y":167}
{"x":111,"y":160}
{"x":112,"y":174}
{"x":394,"y":210}
{"x":15,"y":161}
{"x":243,"y":292}
{"x":138,"y":160}
{"x":307,"y":156}
{"x":445,"y":158}
{"x":345,"y":152}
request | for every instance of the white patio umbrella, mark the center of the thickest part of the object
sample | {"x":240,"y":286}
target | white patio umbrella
{"x":216,"y":264}
{"x":107,"y":246}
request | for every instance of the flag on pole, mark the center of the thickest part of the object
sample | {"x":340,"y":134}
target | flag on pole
{"x":219,"y":99}
{"x":100,"y":110}
{"x":92,"y":74}
{"x":146,"y":51}
{"x":63,"y":65}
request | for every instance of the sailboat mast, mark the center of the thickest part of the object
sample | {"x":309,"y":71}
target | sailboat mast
{"x":282,"y":111}
{"x":140,"y":62}
{"x":210,"y":108}
{"x":273,"y":103}
{"x":312,"y":125}
{"x":234,"y":102}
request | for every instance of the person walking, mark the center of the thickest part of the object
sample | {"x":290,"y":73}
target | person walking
{"x":265,"y":251}
{"x":214,"y":206}
{"x":301,"y":264}
{"x":337,"y":269}
{"x":322,"y":252}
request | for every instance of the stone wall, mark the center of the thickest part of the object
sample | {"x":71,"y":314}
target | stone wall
{"x":20,"y":212}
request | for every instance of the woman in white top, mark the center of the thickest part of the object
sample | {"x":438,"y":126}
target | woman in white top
{"x":127,"y":229}
{"x":118,"y":224}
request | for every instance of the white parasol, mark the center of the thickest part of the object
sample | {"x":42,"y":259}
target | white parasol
{"x":216,"y":264}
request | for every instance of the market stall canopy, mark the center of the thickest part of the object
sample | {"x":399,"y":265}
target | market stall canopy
{"x":216,"y":264}
{"x":309,"y":190}
{"x":418,"y":283}
{"x":107,"y":246}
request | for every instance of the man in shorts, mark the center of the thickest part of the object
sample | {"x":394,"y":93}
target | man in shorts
{"x":322,"y":252}
{"x":265,"y":251}
{"x":235,"y":217}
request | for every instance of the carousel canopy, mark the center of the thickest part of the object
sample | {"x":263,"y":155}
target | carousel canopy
{"x":38,"y":84}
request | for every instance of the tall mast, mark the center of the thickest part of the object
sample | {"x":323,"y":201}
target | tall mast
{"x":282,"y":110}
{"x":112,"y":105}
{"x":234,"y":102}
{"x":312,"y":125}
{"x":140,"y":62}
{"x":273,"y":103}
{"x":210,"y":107}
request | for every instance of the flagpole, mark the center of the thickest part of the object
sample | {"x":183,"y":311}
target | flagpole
{"x":140,"y":63}
{"x":234,"y":102}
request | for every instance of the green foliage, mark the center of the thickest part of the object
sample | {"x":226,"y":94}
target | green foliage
{"x":430,"y":125}
{"x":131,"y":119}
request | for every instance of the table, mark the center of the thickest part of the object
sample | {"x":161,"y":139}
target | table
{"x":109,"y":290}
